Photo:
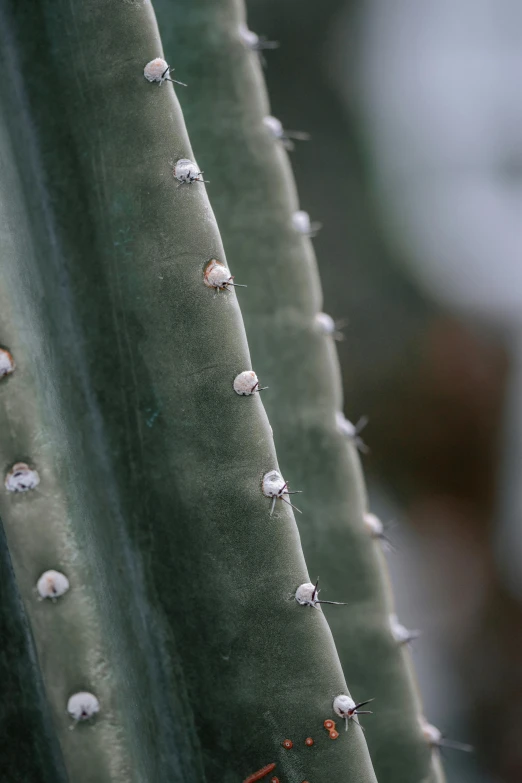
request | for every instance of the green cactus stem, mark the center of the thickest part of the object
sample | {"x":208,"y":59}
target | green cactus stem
{"x":256,"y":206}
{"x":28,"y":748}
{"x":139,"y":467}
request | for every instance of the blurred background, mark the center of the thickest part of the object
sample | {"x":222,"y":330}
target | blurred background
{"x":415,"y":170}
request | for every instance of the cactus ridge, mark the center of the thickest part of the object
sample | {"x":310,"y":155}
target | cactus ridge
{"x":293,"y":350}
{"x":177,"y":653}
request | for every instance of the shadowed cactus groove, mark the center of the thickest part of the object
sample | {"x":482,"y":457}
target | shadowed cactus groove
{"x":293,"y":351}
{"x":178,"y":652}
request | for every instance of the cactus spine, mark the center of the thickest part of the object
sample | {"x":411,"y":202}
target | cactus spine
{"x":256,"y":209}
{"x":179,"y":618}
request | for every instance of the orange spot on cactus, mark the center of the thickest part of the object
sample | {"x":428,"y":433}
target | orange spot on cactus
{"x":287,"y":744}
{"x":334,"y":734}
{"x":329,"y":724}
{"x":309,"y":741}
{"x":259,"y":774}
{"x":274,"y":780}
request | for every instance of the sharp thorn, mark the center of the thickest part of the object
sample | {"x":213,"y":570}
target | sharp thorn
{"x":291,"y":504}
{"x":445,"y":743}
{"x":363,"y":703}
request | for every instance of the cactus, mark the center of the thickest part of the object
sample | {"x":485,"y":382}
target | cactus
{"x":28,"y":748}
{"x":293,"y":351}
{"x":159,"y":590}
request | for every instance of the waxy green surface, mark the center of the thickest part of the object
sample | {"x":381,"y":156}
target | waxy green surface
{"x":180,"y":615}
{"x":253,"y":194}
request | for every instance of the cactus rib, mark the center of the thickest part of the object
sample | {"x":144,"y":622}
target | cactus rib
{"x":255,"y":208}
{"x":179,"y":617}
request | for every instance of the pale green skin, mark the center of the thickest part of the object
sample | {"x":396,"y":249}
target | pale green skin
{"x":180,"y":616}
{"x":254,"y":199}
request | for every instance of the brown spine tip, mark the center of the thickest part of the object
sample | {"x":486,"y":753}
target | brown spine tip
{"x":309,"y":742}
{"x":329,"y":724}
{"x":334,"y":734}
{"x":287,"y":744}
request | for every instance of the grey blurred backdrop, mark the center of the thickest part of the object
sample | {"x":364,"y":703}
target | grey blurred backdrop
{"x":415,"y":170}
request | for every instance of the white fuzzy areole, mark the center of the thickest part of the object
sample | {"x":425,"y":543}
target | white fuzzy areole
{"x":374,"y":525}
{"x":326,"y":325}
{"x":274,"y":125}
{"x":249,"y":38}
{"x":7,"y":364}
{"x":400,"y":633}
{"x":83,"y":705}
{"x":343,"y":705}
{"x":186,"y":170}
{"x":304,"y":595}
{"x":217,"y":274}
{"x":273,"y":484}
{"x":52,"y":584}
{"x":301,"y":221}
{"x":156,"y":71}
{"x":21,"y":478}
{"x":246,"y":383}
{"x":345,"y":426}
{"x":431,"y":733}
